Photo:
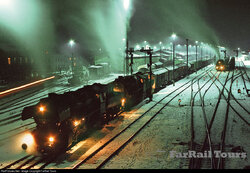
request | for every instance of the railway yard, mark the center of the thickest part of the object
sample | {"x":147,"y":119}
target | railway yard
{"x":204,"y":114}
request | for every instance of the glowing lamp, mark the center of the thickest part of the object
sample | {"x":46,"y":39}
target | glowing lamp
{"x":123,"y":102}
{"x":173,"y":36}
{"x":41,"y":109}
{"x":27,"y":140}
{"x":76,"y":123}
{"x":71,"y":43}
{"x":126,"y":4}
{"x":51,"y":139}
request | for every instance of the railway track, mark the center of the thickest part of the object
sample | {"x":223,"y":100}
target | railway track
{"x":237,"y":113}
{"x":26,"y":162}
{"x":193,"y":146}
{"x":29,"y":102}
{"x":125,"y":135}
{"x":46,"y":162}
{"x":221,"y":161}
{"x":18,"y":100}
{"x":195,"y":163}
{"x":212,"y":162}
{"x":234,"y":98}
{"x":90,"y":158}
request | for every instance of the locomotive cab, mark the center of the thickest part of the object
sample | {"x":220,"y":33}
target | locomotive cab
{"x":131,"y":88}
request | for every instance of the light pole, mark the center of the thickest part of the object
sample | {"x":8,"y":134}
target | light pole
{"x":71,"y":44}
{"x":173,"y":37}
{"x":145,"y":42}
{"x":201,"y":51}
{"x":126,"y":4}
{"x":160,"y":49}
{"x":196,"y":44}
{"x":187,"y":52}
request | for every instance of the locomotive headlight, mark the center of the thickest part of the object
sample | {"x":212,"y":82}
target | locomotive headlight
{"x":27,"y":141}
{"x":217,"y":67}
{"x":41,"y":108}
{"x":123,"y":101}
{"x":51,"y":139}
{"x":221,"y":67}
{"x":76,"y":123}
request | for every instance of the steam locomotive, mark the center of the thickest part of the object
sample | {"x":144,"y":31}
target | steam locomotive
{"x":224,"y":65}
{"x":62,"y":118}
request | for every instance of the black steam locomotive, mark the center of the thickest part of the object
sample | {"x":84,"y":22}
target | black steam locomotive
{"x":61,"y":118}
{"x":225,"y":65}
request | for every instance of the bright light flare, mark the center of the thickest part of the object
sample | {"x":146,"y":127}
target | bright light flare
{"x":41,"y":108}
{"x":173,"y":36}
{"x":25,"y":86}
{"x":6,"y":3}
{"x":71,"y":43}
{"x":76,"y":123}
{"x":126,"y":4}
{"x":123,"y":101}
{"x":28,"y":139}
{"x":51,"y":139}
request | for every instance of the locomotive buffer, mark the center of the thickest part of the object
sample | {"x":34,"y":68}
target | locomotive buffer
{"x":149,"y":52}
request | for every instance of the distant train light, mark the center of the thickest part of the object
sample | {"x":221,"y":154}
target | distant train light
{"x":123,"y":101}
{"x":222,"y":67}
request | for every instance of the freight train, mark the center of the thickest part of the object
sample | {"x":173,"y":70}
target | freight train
{"x":62,"y":118}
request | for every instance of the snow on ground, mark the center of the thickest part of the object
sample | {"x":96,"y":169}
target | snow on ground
{"x":11,"y":133}
{"x":169,"y":131}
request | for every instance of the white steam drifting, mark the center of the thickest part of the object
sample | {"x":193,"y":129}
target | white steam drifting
{"x":110,"y":21}
{"x":29,"y":23}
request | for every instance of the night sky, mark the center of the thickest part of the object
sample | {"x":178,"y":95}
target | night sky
{"x":218,"y":22}
{"x":231,"y":21}
{"x":223,"y":22}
